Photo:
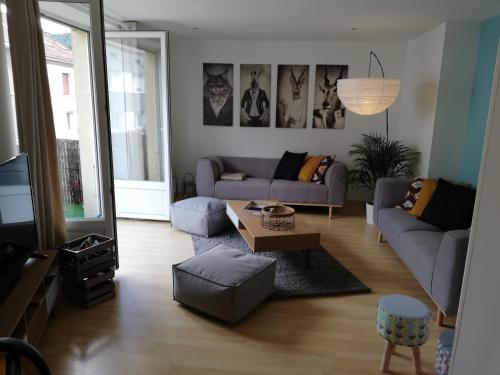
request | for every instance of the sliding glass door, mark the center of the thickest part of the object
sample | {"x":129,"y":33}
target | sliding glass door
{"x":138,"y":106}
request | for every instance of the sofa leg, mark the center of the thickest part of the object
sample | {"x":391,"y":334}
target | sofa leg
{"x":439,"y":318}
{"x":330,"y":212}
{"x":380,"y":237}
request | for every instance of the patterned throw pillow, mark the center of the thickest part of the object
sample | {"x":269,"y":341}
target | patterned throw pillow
{"x":412,"y":194}
{"x":320,"y":172}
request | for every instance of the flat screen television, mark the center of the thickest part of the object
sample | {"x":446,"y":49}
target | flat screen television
{"x":18,"y":233}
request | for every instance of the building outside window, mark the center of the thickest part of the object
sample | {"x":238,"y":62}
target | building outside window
{"x":65,"y":83}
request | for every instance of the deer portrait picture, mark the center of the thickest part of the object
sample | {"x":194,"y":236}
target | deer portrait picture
{"x":218,"y":94}
{"x":255,"y":84}
{"x":328,"y":113}
{"x":291,"y":104}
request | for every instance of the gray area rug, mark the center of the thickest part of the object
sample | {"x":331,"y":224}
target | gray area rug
{"x":325,"y":277}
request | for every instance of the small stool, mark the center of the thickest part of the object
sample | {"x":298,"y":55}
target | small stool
{"x":404,"y":321}
{"x":203,"y":216}
{"x":443,"y":352}
{"x":224,"y":282}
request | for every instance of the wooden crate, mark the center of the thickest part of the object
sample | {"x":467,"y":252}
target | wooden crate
{"x":76,"y":260}
{"x":88,"y":273}
{"x":95,"y":296}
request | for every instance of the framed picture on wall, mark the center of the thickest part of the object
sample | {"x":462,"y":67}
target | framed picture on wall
{"x":291,"y":103}
{"x":218,"y":94}
{"x":255,"y":88}
{"x":328,"y":112}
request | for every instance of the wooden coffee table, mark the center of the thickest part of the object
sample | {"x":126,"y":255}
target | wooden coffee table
{"x":302,"y":237}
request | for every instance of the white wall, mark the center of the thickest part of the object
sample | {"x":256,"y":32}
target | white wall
{"x":454,"y":97}
{"x":419,"y":93}
{"x":192,"y":140}
{"x":435,"y":96}
{"x":478,"y":327}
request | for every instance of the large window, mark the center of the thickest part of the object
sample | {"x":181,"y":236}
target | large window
{"x":68,"y":67}
{"x":136,"y":126}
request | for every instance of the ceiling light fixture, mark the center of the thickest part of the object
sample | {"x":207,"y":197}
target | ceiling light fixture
{"x":369,"y":96}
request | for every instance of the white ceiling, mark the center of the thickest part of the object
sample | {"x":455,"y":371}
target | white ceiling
{"x":387,"y":20}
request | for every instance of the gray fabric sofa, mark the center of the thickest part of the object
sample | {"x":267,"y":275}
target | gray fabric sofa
{"x":259,"y":183}
{"x":435,"y":258}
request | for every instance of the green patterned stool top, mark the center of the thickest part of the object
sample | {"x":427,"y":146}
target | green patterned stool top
{"x":403,"y":320}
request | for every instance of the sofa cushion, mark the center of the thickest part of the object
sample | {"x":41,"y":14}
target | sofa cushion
{"x":424,"y":197}
{"x":252,"y":167}
{"x":289,"y":166}
{"x":418,"y":251}
{"x":250,"y":188}
{"x":224,"y":282}
{"x":299,"y":192}
{"x":412,"y":194}
{"x":451,"y":206}
{"x":309,"y":167}
{"x":394,"y":221}
{"x":320,"y":172}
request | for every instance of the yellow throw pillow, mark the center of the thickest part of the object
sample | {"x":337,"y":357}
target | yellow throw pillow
{"x":424,"y":196}
{"x":309,"y":167}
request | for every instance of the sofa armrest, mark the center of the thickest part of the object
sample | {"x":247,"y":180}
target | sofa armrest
{"x":389,"y":192}
{"x":207,"y":174}
{"x":449,"y":270}
{"x":336,"y":181}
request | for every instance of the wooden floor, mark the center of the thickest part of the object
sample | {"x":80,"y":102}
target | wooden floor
{"x":143,"y":331}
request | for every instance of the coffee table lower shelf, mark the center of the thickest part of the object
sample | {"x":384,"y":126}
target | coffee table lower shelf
{"x":259,"y":239}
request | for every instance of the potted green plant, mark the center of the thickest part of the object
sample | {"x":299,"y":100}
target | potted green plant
{"x":374,"y":157}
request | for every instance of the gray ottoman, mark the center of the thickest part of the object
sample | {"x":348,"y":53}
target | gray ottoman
{"x":224,"y":282}
{"x":200,"y":215}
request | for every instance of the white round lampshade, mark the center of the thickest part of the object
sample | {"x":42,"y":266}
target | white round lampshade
{"x":367,"y":96}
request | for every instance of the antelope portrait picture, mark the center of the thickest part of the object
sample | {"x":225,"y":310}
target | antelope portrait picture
{"x":291,"y":104}
{"x":255,"y":86}
{"x":328,"y":113}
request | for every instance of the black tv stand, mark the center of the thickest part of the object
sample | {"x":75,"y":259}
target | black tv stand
{"x":39,"y":256}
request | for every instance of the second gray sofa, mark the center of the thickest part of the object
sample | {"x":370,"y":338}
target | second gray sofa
{"x":260,"y":184}
{"x":435,"y":258}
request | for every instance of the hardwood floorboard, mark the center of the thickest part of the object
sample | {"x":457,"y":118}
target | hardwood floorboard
{"x":143,"y":331}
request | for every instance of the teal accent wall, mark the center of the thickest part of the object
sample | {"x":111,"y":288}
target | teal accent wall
{"x":480,"y":100}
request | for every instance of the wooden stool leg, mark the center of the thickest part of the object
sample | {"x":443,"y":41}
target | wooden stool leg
{"x":386,"y":359}
{"x":439,"y":318}
{"x":416,"y":359}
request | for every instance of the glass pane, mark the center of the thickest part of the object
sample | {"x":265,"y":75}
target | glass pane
{"x":136,"y":124}
{"x":3,"y":16}
{"x":68,"y":66}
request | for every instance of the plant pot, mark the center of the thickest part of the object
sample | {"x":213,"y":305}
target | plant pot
{"x":369,"y":213}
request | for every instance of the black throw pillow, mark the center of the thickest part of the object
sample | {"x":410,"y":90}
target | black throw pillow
{"x":451,"y":206}
{"x":289,"y":166}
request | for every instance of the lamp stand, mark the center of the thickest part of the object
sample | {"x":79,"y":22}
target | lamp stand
{"x":372,"y":54}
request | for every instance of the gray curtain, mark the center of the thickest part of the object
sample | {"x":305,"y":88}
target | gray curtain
{"x":35,"y":121}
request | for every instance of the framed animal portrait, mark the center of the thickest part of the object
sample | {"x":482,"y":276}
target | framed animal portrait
{"x":255,"y":90}
{"x":218,"y":94}
{"x":328,"y":112}
{"x":291,"y":103}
